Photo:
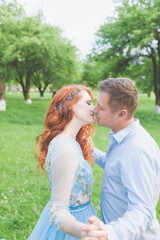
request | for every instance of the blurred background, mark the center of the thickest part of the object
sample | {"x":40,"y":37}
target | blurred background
{"x":45,"y":45}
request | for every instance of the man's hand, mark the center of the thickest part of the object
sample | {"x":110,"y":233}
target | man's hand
{"x":91,"y":144}
{"x":95,"y":230}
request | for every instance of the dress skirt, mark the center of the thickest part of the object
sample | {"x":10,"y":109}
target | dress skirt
{"x":45,"y":231}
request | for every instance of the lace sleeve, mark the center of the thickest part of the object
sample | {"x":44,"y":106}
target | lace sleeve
{"x":63,"y":171}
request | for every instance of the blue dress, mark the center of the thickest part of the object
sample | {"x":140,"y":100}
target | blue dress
{"x":71,"y":189}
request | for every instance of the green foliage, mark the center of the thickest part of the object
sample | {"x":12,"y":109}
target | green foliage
{"x":129,"y":39}
{"x":92,"y":72}
{"x":23,"y":191}
{"x":8,"y":12}
{"x":33,"y":50}
{"x":142,"y":73}
{"x":67,"y":68}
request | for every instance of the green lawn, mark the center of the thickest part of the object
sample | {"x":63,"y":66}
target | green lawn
{"x":23,"y":192}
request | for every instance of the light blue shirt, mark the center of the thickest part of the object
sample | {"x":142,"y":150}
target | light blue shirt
{"x":131,"y":184}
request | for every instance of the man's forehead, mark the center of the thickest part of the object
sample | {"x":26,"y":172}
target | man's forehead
{"x":102,"y":96}
{"x":102,"y":99}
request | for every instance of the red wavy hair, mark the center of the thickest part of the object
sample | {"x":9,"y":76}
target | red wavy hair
{"x":55,"y":122}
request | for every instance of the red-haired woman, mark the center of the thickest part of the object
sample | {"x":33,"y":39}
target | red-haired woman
{"x":65,"y":155}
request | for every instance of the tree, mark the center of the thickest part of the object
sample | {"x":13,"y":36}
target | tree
{"x":142,"y":73}
{"x":67,"y":65}
{"x":92,"y":71}
{"x":28,"y":50}
{"x":2,"y":96}
{"x":60,"y":65}
{"x":35,"y":51}
{"x":132,"y":34}
{"x":7,"y":11}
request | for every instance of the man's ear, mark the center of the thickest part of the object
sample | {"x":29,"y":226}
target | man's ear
{"x":123,"y":113}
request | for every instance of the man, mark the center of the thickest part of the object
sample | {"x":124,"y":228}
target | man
{"x":131,"y":181}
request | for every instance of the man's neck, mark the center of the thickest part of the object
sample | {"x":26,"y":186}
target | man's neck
{"x":123,"y":125}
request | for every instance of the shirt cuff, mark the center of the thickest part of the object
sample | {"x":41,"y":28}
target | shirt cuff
{"x":111,"y":234}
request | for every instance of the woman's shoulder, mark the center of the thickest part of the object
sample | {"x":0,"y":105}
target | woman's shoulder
{"x":63,"y":143}
{"x":63,"y":148}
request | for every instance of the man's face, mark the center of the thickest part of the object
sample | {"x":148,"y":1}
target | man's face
{"x":103,"y":112}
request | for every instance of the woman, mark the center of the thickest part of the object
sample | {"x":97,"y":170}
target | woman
{"x":65,"y":155}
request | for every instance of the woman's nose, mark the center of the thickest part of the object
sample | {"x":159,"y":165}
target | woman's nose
{"x":92,"y":107}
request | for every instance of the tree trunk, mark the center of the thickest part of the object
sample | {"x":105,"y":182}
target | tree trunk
{"x":2,"y":96}
{"x":149,"y":94}
{"x":53,"y":94}
{"x":156,"y":82}
{"x":41,"y":94}
{"x":25,"y":89}
{"x":26,"y":93}
{"x":27,"y":98}
{"x":9,"y":90}
{"x":18,"y":89}
{"x":158,"y":102}
{"x":42,"y":90}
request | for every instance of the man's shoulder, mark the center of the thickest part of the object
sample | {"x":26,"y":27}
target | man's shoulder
{"x":139,"y":138}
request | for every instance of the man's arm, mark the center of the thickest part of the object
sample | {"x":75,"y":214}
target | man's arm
{"x":100,"y":157}
{"x":138,"y":174}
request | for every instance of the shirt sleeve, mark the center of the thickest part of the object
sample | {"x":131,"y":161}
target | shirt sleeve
{"x":138,"y":175}
{"x":64,"y":167}
{"x":100,"y":157}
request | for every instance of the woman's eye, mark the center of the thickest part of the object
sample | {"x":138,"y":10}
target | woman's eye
{"x":89,"y":103}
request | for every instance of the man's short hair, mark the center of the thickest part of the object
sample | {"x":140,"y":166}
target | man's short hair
{"x":122,"y":93}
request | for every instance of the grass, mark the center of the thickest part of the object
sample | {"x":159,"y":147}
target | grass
{"x":23,"y":192}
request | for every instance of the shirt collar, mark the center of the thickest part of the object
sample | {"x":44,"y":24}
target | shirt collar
{"x":119,"y":136}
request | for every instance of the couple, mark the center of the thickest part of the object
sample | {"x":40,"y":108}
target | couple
{"x":131,"y":180}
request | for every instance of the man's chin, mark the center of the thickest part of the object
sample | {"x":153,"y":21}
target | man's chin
{"x":98,"y":122}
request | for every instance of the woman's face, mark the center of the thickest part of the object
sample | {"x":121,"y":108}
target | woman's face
{"x":83,"y":109}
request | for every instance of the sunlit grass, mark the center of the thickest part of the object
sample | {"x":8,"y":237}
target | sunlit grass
{"x":23,"y":191}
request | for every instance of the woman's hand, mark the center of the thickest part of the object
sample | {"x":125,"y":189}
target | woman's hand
{"x":94,"y":231}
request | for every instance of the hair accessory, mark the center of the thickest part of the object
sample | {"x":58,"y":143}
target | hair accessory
{"x":67,"y":99}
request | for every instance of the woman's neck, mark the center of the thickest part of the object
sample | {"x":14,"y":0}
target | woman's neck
{"x":71,"y":130}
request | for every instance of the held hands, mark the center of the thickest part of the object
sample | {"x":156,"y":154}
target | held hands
{"x":94,"y":231}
